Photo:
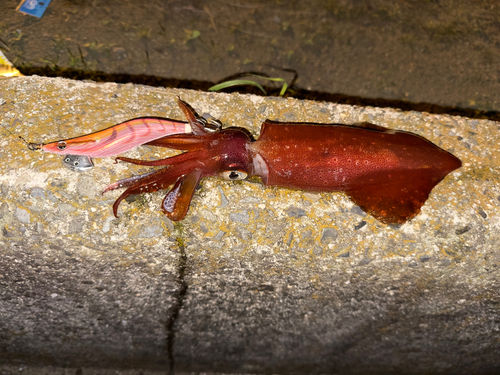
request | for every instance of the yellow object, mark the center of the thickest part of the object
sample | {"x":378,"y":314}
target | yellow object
{"x":6,"y":67}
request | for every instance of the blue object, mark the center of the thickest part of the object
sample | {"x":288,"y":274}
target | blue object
{"x":34,"y":7}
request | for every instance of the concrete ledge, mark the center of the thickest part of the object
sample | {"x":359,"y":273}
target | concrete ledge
{"x":254,"y":279}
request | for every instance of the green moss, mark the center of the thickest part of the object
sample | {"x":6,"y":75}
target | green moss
{"x":179,"y":230}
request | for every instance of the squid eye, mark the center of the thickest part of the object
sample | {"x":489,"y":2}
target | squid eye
{"x":61,"y":145}
{"x":234,"y":175}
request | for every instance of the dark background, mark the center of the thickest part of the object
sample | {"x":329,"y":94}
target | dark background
{"x":437,"y":56}
{"x":426,"y":55}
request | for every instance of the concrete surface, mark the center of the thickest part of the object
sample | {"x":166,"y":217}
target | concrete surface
{"x":255,"y":279}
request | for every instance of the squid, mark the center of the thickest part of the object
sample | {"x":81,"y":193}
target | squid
{"x":388,"y":173}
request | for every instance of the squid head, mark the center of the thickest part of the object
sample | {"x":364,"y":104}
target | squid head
{"x":222,"y":153}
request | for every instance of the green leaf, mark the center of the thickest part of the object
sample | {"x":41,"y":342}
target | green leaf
{"x":191,"y":34}
{"x":243,"y":82}
{"x":236,"y":82}
{"x":283,"y":89}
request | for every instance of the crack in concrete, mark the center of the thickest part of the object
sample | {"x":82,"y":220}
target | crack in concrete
{"x":178,"y":302}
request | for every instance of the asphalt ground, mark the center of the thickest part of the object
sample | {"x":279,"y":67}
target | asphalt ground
{"x":435,"y":56}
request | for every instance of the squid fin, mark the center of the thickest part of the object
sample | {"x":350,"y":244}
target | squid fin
{"x":176,"y":203}
{"x":396,"y":201}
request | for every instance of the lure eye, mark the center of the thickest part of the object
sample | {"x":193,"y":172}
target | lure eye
{"x":62,"y":145}
{"x":234,"y":175}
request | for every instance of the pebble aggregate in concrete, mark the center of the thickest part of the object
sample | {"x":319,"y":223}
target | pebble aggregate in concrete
{"x":240,"y":285}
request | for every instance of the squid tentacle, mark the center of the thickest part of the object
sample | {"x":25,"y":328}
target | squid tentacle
{"x":134,"y":184}
{"x":126,"y":182}
{"x":151,"y":182}
{"x":176,"y":203}
{"x":181,"y":158}
{"x":195,"y":120}
{"x":180,"y":142}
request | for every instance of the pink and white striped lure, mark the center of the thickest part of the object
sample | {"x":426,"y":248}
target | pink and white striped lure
{"x":127,"y":135}
{"x":116,"y":139}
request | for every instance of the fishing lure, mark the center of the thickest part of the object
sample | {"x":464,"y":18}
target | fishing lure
{"x":78,"y":163}
{"x":125,"y":136}
{"x":388,"y":173}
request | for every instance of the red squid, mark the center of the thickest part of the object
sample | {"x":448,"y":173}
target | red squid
{"x":388,"y":173}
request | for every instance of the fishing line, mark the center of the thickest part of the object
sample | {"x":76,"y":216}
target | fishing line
{"x":30,"y":145}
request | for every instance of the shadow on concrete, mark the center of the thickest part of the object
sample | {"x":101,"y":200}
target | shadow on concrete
{"x":292,"y":91}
